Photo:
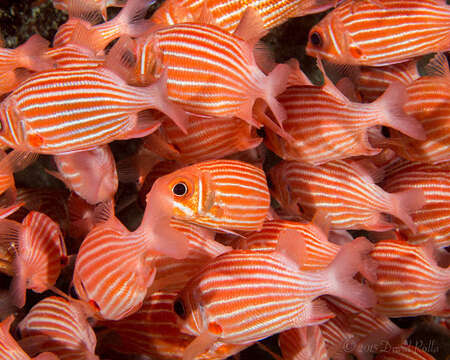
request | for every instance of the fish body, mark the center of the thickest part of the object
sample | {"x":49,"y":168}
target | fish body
{"x":327,"y":126}
{"x":432,"y":220}
{"x":91,"y":174}
{"x":210,"y":72}
{"x":225,"y":195}
{"x":409,"y":281}
{"x":68,"y":333}
{"x":40,"y":253}
{"x":66,"y":110}
{"x":90,"y":5}
{"x":405,"y":352}
{"x":244,"y":296}
{"x":228,"y":13}
{"x":303,"y":343}
{"x":75,"y":56}
{"x":345,"y":192}
{"x":382,"y":32}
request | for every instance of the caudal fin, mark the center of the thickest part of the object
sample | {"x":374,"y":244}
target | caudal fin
{"x":391,"y":105}
{"x":132,"y":17}
{"x":276,"y":84}
{"x":353,"y":257}
{"x":405,"y":202}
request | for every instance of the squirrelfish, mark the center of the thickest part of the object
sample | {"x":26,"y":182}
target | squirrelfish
{"x":303,"y":343}
{"x":114,"y":268}
{"x":381,"y":32}
{"x":244,"y":296}
{"x":10,"y":350}
{"x":344,"y":191}
{"x":405,"y":352}
{"x":228,"y":13}
{"x":326,"y":125}
{"x":59,"y":326}
{"x":210,"y":71}
{"x":225,"y":195}
{"x":66,"y":110}
{"x":75,"y":56}
{"x":91,"y":174}
{"x":409,"y":281}
{"x":90,"y":5}
{"x":40,"y":253}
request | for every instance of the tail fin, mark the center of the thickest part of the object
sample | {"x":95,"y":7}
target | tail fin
{"x":405,"y":202}
{"x":132,"y":17}
{"x":352,"y":258}
{"x":31,"y":55}
{"x":276,"y":83}
{"x":391,"y":105}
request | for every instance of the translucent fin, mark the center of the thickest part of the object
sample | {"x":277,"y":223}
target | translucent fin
{"x":199,"y":345}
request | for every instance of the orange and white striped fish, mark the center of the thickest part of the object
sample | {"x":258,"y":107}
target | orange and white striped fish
{"x":319,"y":251}
{"x":40,"y":253}
{"x":75,"y":56}
{"x":432,"y":220}
{"x":245,"y":296}
{"x":409,"y":281}
{"x":382,"y":32}
{"x":305,"y":343}
{"x":153,"y":331}
{"x":91,"y":174}
{"x":207,"y":138}
{"x":173,"y":274}
{"x":405,"y":352}
{"x":59,"y":326}
{"x":31,"y":55}
{"x":130,"y":21}
{"x":326,"y":125}
{"x":224,"y":195}
{"x":67,"y":110}
{"x":11,"y":79}
{"x":428,"y":102}
{"x":372,"y":82}
{"x":212,"y":72}
{"x":339,"y":341}
{"x":345,"y":191}
{"x":228,"y":13}
{"x":90,"y":5}
{"x":10,"y":350}
{"x":113,"y":268}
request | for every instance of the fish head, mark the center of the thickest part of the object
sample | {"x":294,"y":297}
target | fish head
{"x":330,"y":41}
{"x":191,"y":317}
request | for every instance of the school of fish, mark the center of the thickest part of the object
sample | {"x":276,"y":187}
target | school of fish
{"x":269,"y":204}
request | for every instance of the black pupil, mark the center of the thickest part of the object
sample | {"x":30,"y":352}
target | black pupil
{"x":316,"y":39}
{"x":180,"y":189}
{"x":178,"y":307}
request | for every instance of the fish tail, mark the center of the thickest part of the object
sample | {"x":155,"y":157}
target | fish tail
{"x":31,"y":55}
{"x":132,"y":17}
{"x":405,"y":202}
{"x":391,"y":104}
{"x":276,"y":83}
{"x":352,"y":258}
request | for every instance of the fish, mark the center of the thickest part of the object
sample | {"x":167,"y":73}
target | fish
{"x":81,"y":109}
{"x":243,"y":296}
{"x":90,"y":5}
{"x":346,"y":192}
{"x":339,"y":341}
{"x":113,"y":267}
{"x":224,"y":195}
{"x":372,"y":82}
{"x":10,"y":350}
{"x":361,"y":32}
{"x":432,"y":219}
{"x":59,"y":326}
{"x":153,"y":331}
{"x":227,"y":79}
{"x":40,"y":254}
{"x":228,"y":13}
{"x":11,"y":79}
{"x":130,"y":21}
{"x":409,"y":281}
{"x":303,"y":343}
{"x":207,"y":138}
{"x":428,"y":99}
{"x":404,"y":352}
{"x":91,"y":174}
{"x":30,"y":55}
{"x":319,"y":251}
{"x":325,"y":125}
{"x":75,"y":56}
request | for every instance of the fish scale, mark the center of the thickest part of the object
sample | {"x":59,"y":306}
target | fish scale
{"x":382,"y":32}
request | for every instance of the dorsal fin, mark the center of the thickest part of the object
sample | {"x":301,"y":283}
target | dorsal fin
{"x":251,"y":27}
{"x":206,"y":17}
{"x":438,"y":66}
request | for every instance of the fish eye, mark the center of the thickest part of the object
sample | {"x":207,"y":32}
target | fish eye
{"x":316,"y":39}
{"x":178,"y":307}
{"x":180,"y":189}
